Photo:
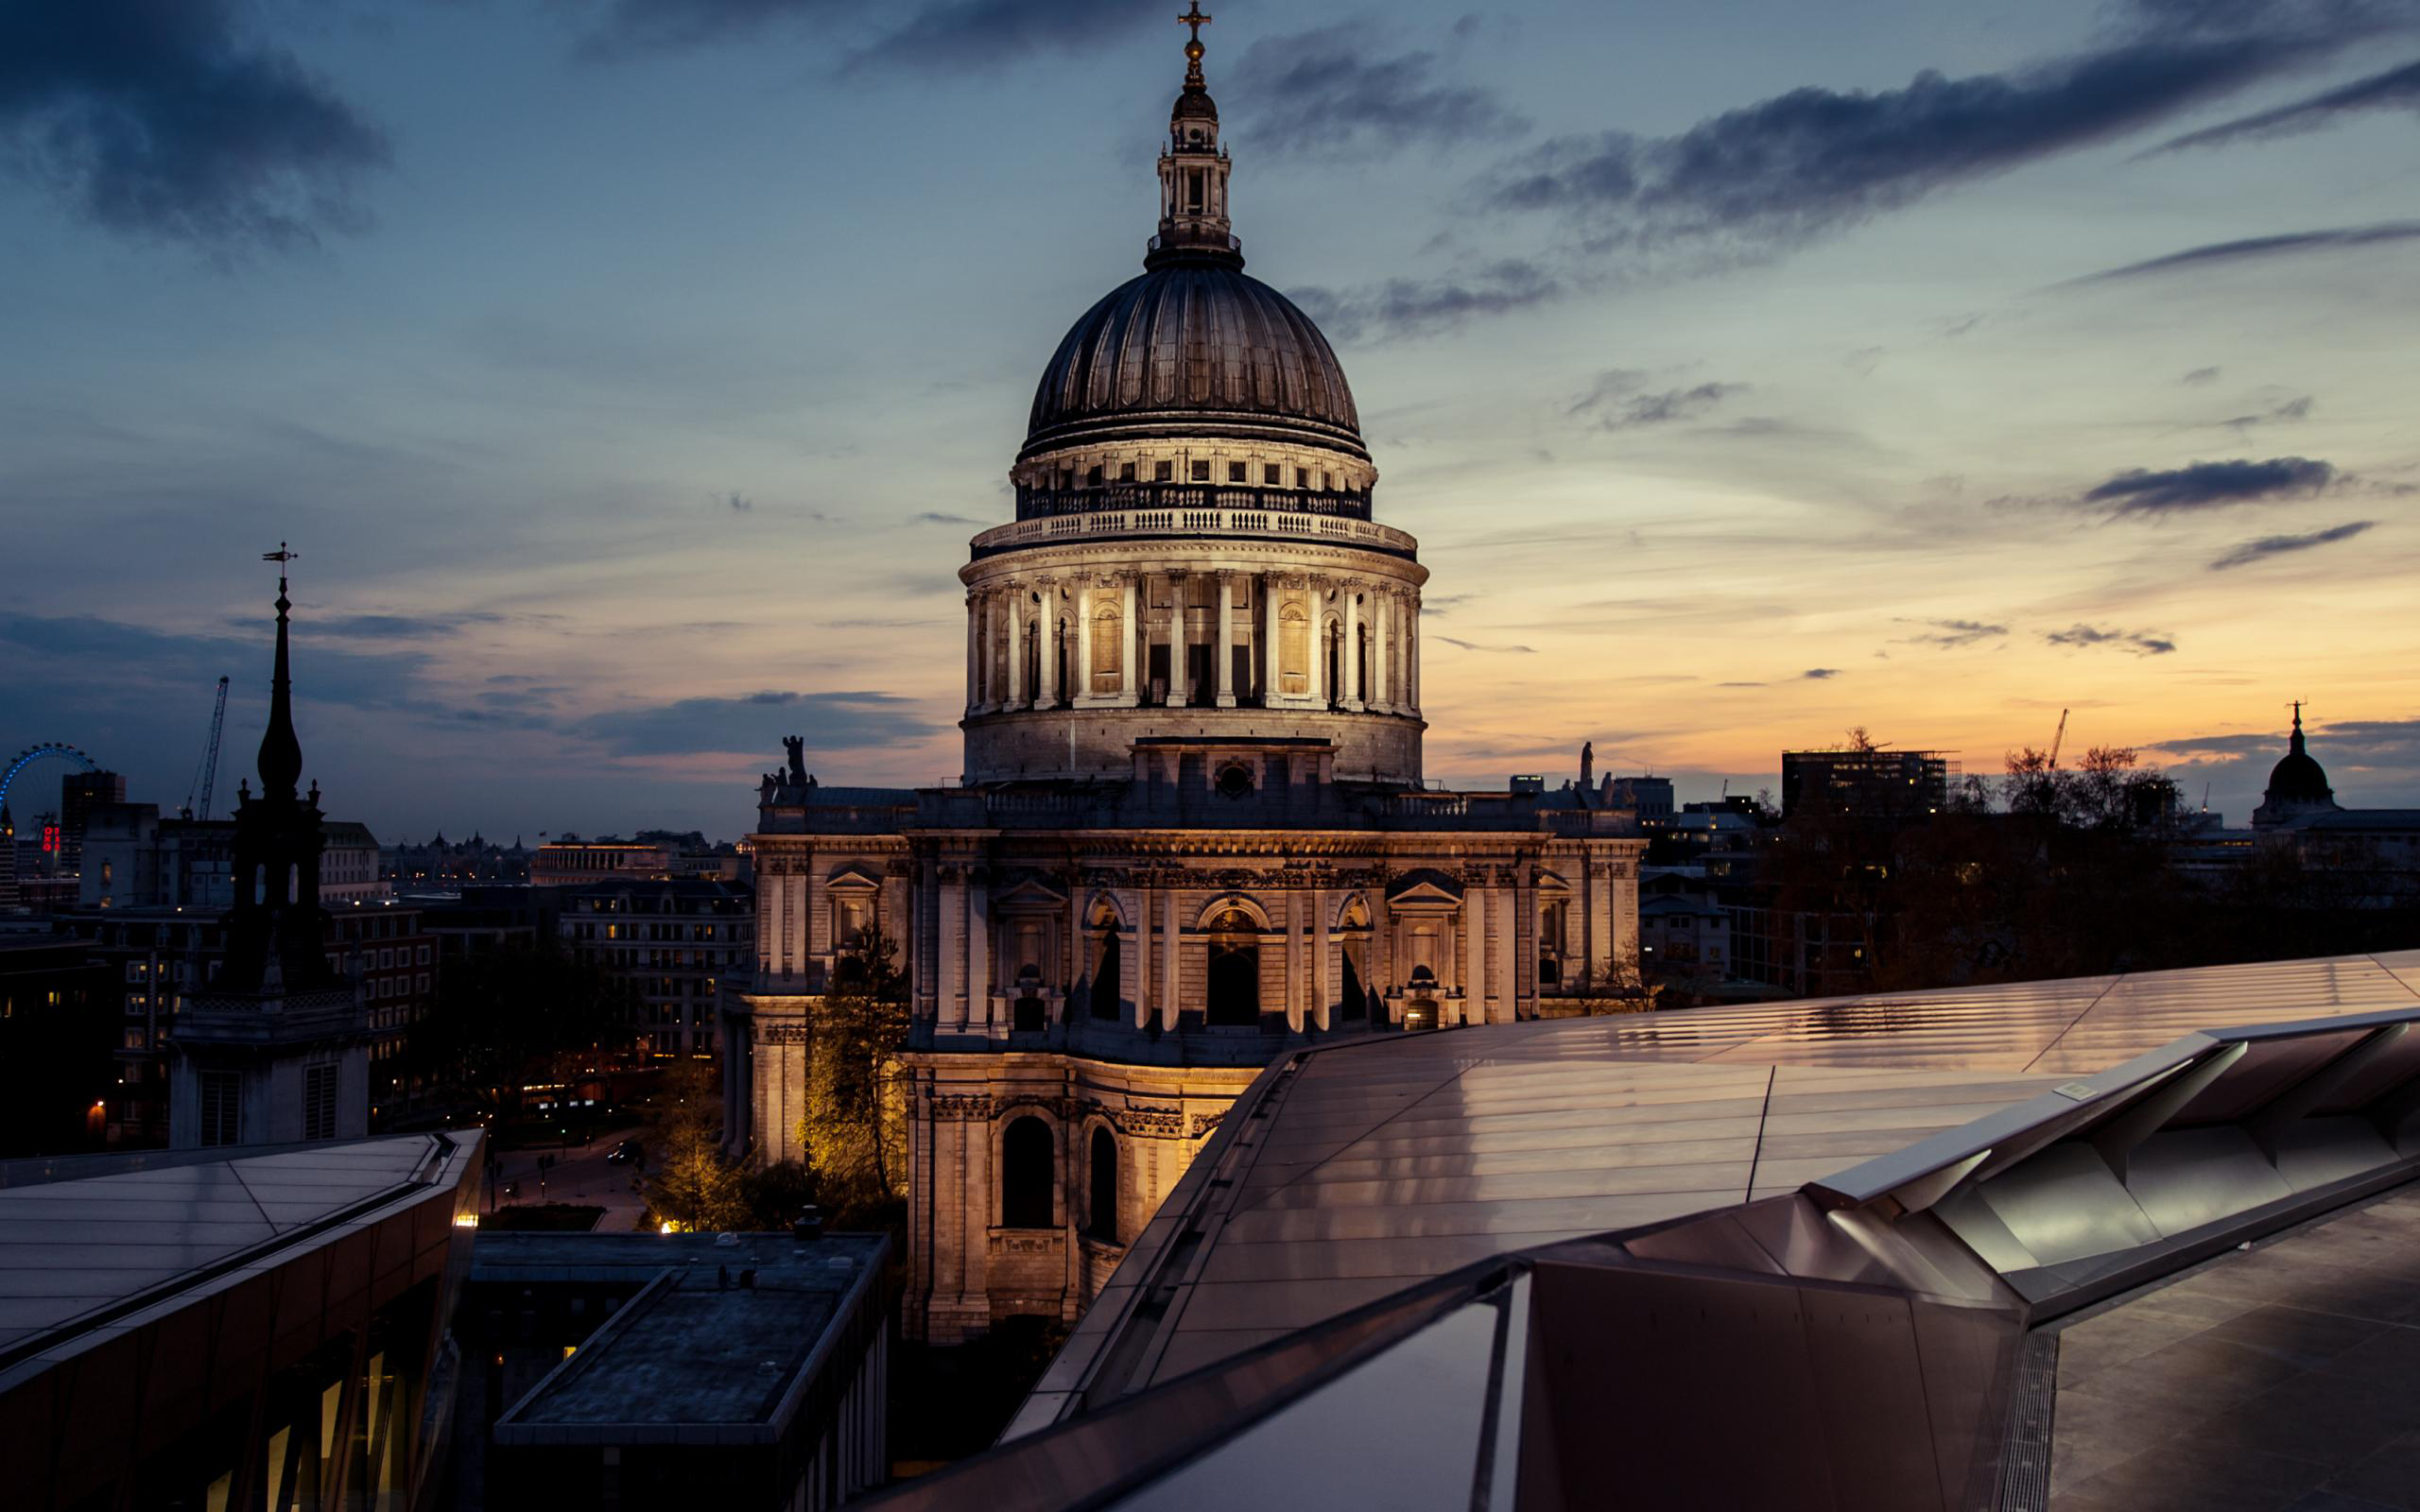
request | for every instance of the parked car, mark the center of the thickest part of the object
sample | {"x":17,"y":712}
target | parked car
{"x":628,"y":1152}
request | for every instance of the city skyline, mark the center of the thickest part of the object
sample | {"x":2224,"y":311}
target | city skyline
{"x":1737,"y":401}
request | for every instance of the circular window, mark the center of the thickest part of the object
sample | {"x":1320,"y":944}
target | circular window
{"x":1234,"y":781}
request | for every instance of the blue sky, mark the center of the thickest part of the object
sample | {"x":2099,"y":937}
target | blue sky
{"x":629,"y":373}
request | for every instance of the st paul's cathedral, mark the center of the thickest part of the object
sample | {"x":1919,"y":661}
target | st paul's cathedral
{"x":1192,"y":830}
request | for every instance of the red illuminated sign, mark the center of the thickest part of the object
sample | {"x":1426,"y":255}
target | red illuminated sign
{"x":50,"y":838}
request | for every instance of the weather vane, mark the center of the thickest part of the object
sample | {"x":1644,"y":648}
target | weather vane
{"x":281,"y":555}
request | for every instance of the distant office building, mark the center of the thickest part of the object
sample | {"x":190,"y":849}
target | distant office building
{"x":653,"y":855}
{"x":8,"y":902}
{"x":669,"y":943}
{"x":79,"y":793}
{"x":134,"y":858}
{"x":653,"y":1371}
{"x":481,"y":918}
{"x":214,"y":1330}
{"x":1864,"y":782}
{"x":277,"y":1048}
{"x":57,"y":1027}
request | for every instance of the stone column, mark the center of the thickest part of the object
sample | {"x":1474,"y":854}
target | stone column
{"x":1600,"y":924}
{"x":1411,"y":651}
{"x":1322,"y":973}
{"x":1475,"y":980}
{"x":1014,"y":692}
{"x":1318,"y":646}
{"x":1348,"y":662}
{"x":974,"y":652}
{"x":978,"y":950}
{"x":1272,"y":678}
{"x":1507,"y":959}
{"x":1129,"y":628}
{"x":1223,"y":660}
{"x":1083,"y":692}
{"x":1625,"y":911}
{"x":952,"y":1012}
{"x":1381,"y":605}
{"x":1169,"y":958}
{"x":1294,"y":986}
{"x":1045,"y":643}
{"x":1142,"y":953}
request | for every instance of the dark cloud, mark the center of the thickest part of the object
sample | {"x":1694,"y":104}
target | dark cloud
{"x":757,"y":722}
{"x":2200,"y":375}
{"x":155,"y":119}
{"x":2199,"y":486}
{"x":1401,"y":307}
{"x":1474,"y":645}
{"x":2139,"y":641}
{"x":944,"y":36}
{"x":2267,"y":546}
{"x":1323,"y":93}
{"x":934,"y":517}
{"x":1950,"y":634}
{"x":1819,"y":674}
{"x":2398,"y":89}
{"x":1617,"y":407}
{"x":1782,"y":172}
{"x":2292,"y":244}
{"x":736,"y":503}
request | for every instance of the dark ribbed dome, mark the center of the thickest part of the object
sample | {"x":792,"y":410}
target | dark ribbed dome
{"x":1195,"y":347}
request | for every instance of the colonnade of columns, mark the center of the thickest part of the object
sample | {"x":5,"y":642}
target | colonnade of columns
{"x":1037,"y":641}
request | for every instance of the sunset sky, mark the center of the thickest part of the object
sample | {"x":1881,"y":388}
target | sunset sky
{"x":629,"y":373}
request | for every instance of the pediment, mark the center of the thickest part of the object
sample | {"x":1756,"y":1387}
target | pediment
{"x":853,"y":877}
{"x":1424,"y":886}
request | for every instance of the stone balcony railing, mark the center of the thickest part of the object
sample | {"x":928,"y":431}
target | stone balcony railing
{"x":1243,"y":523}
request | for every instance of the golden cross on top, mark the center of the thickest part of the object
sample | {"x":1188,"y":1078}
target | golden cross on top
{"x":1194,"y":18}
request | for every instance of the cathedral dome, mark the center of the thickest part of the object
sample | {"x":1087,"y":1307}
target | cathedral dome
{"x":1193,"y":343}
{"x":2298,"y":778}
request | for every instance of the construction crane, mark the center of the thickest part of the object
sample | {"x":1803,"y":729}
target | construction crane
{"x":2056,"y":741}
{"x":206,"y":777}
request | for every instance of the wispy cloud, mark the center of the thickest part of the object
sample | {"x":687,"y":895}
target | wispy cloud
{"x":1616,"y":406}
{"x":935,"y":517}
{"x":944,"y":35}
{"x":2199,"y":486}
{"x":1951,"y":634}
{"x":2291,"y":411}
{"x":1819,"y":674}
{"x":1475,"y":645}
{"x":158,"y":120}
{"x":736,"y":503}
{"x":2267,"y":546}
{"x":1326,"y":92}
{"x":1402,"y":307}
{"x":2256,"y":249}
{"x":2199,"y":376}
{"x":757,"y":722}
{"x":2139,"y":641}
{"x":2396,"y":89}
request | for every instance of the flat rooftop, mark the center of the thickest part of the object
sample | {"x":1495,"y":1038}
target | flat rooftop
{"x":2286,"y":1377}
{"x":695,"y":1349}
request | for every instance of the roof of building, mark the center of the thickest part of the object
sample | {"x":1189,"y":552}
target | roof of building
{"x":696,"y":1345}
{"x":1778,"y":1209}
{"x":84,"y":1240}
{"x":1191,"y":344}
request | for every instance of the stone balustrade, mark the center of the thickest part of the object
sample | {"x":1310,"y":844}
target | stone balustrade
{"x":1265,"y":523}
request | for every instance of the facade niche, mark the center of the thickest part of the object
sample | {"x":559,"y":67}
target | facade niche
{"x":1103,"y":1216}
{"x":1025,"y":1174}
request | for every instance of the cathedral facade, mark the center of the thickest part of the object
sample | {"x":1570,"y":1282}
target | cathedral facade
{"x":1192,"y":830}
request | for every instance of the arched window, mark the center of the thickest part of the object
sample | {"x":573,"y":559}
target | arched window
{"x":1109,"y":975}
{"x":1235,"y":974}
{"x":1032,"y":1014}
{"x":1109,"y":626}
{"x":1103,"y":1217}
{"x":1294,"y":648}
{"x":1025,"y":1174}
